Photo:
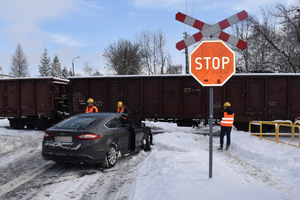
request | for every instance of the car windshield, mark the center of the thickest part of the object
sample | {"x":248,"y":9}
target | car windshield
{"x":78,"y":122}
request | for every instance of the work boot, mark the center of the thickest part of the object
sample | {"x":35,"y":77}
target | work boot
{"x":220,"y":148}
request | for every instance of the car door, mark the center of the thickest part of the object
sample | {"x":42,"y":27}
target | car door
{"x":123,"y":133}
{"x":138,"y":131}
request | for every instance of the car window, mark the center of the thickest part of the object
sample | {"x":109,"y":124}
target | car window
{"x":76,"y":122}
{"x":115,"y":123}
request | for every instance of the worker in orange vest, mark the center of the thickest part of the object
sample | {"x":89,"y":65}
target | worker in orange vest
{"x":90,"y":106}
{"x":121,"y":108}
{"x":227,"y":119}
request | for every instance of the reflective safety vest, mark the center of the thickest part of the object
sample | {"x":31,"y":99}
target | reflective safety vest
{"x":121,"y":110}
{"x":91,"y":109}
{"x":227,"y":120}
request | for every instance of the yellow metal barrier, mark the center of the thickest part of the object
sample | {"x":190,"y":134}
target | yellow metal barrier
{"x":260,"y":123}
{"x":293,"y":126}
{"x":277,"y":125}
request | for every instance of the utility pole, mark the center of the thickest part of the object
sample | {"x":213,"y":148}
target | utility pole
{"x":298,"y":18}
{"x":73,"y":64}
{"x":185,"y":35}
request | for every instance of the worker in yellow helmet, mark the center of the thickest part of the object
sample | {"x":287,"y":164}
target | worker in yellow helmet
{"x":90,"y":106}
{"x":227,"y":119}
{"x":121,"y":108}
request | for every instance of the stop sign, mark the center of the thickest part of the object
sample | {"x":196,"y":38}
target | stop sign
{"x":212,"y":63}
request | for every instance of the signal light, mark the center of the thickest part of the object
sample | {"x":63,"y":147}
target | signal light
{"x":47,"y":135}
{"x":87,"y":136}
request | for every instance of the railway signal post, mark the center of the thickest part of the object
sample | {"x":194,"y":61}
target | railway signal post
{"x":212,"y":63}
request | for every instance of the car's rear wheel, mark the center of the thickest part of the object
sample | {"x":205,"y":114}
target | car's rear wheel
{"x":111,"y":157}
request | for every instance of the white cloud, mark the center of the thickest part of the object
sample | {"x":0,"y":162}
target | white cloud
{"x":21,"y":20}
{"x":161,"y":4}
{"x":66,"y":40}
{"x":33,"y":11}
{"x":236,"y":5}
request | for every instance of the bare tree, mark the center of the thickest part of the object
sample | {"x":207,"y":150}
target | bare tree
{"x":87,"y":68}
{"x":174,"y":69}
{"x":154,"y":50}
{"x":124,"y":57}
{"x":19,"y":65}
{"x":242,"y":31}
{"x":273,"y":42}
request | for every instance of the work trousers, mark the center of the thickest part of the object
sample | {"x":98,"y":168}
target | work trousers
{"x":225,"y":131}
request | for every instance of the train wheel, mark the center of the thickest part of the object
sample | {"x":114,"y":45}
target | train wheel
{"x":30,"y":126}
{"x":16,"y":124}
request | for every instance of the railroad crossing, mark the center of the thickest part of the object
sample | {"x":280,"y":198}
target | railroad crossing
{"x":215,"y":30}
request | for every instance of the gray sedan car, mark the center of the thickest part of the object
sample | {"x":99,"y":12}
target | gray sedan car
{"x":95,"y":138}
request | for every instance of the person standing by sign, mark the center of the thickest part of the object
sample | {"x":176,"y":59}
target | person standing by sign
{"x":90,"y":106}
{"x":227,"y":119}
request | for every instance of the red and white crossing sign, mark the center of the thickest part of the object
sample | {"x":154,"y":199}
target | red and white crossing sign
{"x":215,"y":30}
{"x":212,"y":63}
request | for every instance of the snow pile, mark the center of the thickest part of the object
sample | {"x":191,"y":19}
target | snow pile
{"x":13,"y":142}
{"x":177,"y":168}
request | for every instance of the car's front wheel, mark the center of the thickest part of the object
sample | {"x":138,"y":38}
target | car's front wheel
{"x":111,"y":157}
{"x":147,"y":142}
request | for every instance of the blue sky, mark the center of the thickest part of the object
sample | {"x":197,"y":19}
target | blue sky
{"x":71,"y":28}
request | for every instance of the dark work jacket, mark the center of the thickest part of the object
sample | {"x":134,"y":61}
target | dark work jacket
{"x":228,"y":110}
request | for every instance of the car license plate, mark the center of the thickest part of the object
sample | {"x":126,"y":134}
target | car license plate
{"x":63,"y":139}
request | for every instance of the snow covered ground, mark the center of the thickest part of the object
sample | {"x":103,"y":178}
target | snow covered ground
{"x":176,"y":168}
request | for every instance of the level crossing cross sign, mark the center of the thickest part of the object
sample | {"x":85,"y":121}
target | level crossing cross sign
{"x":212,"y":63}
{"x":215,"y":30}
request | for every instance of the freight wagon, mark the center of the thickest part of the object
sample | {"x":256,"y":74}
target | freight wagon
{"x":181,"y":99}
{"x":33,"y":102}
{"x":41,"y":102}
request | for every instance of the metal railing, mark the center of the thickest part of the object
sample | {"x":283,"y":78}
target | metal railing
{"x":277,"y":124}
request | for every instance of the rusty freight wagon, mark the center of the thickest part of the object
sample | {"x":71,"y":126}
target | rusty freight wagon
{"x":33,"y":102}
{"x":181,"y":99}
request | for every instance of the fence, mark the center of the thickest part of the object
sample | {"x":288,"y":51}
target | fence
{"x":277,"y":124}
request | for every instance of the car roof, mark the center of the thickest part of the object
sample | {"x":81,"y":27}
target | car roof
{"x":100,"y":114}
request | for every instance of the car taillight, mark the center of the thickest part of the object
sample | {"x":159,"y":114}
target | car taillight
{"x":47,"y":135}
{"x":87,"y":136}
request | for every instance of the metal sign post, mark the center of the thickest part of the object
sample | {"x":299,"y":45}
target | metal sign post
{"x":211,"y":102}
{"x":212,"y":63}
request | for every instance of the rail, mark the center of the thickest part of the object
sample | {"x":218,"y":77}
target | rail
{"x":277,"y":125}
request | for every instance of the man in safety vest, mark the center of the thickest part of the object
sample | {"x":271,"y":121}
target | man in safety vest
{"x":90,"y":106}
{"x":227,"y":120}
{"x":121,"y":108}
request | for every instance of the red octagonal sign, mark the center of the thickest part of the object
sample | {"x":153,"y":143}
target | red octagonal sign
{"x":212,"y":63}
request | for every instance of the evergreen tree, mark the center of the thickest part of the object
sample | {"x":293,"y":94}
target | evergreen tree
{"x":70,"y":72}
{"x":19,"y":65}
{"x":45,"y":68}
{"x":56,"y":68}
{"x":65,"y":73}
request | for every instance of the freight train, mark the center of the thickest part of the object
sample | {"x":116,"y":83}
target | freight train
{"x":176,"y":98}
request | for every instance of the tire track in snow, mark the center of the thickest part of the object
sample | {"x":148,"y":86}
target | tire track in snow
{"x":47,"y":180}
{"x":25,"y":177}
